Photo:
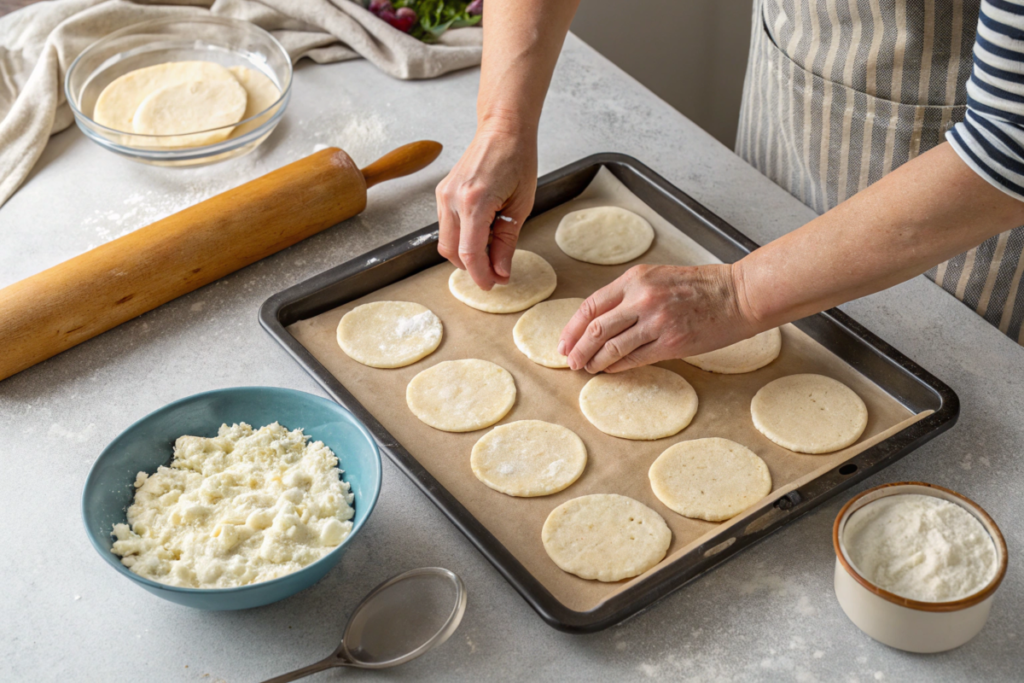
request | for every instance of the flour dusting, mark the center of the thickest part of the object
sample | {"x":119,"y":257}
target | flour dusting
{"x":363,"y":136}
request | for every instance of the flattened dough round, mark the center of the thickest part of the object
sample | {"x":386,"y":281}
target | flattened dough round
{"x":809,"y":413}
{"x":605,"y":235}
{"x":461,"y":395}
{"x":745,"y":356}
{"x":642,"y":404}
{"x":389,"y":334}
{"x":537,"y":331}
{"x":529,"y":458}
{"x":261,"y":93}
{"x":182,"y":109}
{"x":711,"y":479}
{"x":605,"y":536}
{"x":533,"y":279}
{"x":119,"y":101}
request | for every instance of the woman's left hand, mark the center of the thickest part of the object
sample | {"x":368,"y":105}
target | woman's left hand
{"x":655,"y":313}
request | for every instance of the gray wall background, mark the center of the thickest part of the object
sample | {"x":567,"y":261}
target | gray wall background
{"x":691,"y":53}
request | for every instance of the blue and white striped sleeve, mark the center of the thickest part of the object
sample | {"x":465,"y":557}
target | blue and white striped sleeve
{"x":990,"y":139}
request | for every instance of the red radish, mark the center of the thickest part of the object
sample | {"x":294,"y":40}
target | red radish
{"x":380,"y":6}
{"x":405,"y":19}
{"x":475,"y":8}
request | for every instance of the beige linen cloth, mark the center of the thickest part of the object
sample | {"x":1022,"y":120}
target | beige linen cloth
{"x":39,"y":43}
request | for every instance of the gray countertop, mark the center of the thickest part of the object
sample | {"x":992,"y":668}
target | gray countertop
{"x":770,"y":613}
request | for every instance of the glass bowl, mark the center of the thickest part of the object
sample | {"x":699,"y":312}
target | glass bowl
{"x":228,"y":42}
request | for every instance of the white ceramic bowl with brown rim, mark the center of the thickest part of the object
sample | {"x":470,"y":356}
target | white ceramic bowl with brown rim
{"x":899,"y":622}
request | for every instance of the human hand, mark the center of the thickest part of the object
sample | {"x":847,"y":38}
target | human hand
{"x":490,"y":190}
{"x":655,"y":313}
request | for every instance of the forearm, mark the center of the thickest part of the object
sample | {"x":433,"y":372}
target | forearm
{"x":925,"y":212}
{"x":522,"y":40}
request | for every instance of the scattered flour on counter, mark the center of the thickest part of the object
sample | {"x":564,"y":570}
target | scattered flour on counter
{"x":319,"y":147}
{"x":362,"y":135}
{"x":183,"y":188}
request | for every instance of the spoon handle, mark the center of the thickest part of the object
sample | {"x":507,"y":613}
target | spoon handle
{"x":324,"y":664}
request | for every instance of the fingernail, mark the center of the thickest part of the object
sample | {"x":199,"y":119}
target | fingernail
{"x":561,"y":348}
{"x":504,"y":269}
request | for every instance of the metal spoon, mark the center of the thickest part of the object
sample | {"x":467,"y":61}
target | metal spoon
{"x":398,"y":621}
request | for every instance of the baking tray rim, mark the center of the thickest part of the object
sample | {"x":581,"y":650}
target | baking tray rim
{"x":636,"y":599}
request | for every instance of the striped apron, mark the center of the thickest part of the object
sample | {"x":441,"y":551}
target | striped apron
{"x":840,"y":92}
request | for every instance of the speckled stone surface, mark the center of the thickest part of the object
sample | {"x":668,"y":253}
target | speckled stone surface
{"x":768,"y":614}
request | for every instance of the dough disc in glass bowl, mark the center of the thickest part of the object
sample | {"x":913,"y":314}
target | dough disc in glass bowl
{"x":533,"y":279}
{"x":529,"y":458}
{"x":537,"y":331}
{"x":744,"y":356}
{"x":642,"y":404}
{"x":461,"y":395}
{"x":389,"y":334}
{"x":261,"y":94}
{"x":605,"y":536}
{"x":181,"y":109}
{"x":117,"y":104}
{"x":711,"y":479}
{"x":605,"y":235}
{"x":809,"y":413}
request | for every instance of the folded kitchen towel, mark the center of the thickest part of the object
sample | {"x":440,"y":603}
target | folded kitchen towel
{"x":39,"y":43}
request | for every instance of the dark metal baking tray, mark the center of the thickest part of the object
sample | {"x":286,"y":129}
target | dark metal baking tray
{"x":901,"y":377}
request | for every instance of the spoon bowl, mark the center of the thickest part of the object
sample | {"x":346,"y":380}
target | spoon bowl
{"x":398,"y":621}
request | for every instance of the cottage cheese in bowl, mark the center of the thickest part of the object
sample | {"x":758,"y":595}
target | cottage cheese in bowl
{"x":920,"y":547}
{"x":243,"y":507}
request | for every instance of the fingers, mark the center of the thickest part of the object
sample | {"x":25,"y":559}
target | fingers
{"x":599,"y":331}
{"x":475,"y":229}
{"x":618,"y":347}
{"x":598,"y":303}
{"x":503,"y":244}
{"x":448,"y":227}
{"x":651,"y":352}
{"x":448,"y":236}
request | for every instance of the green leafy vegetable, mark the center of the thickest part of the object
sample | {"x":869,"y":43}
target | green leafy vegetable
{"x":434,"y":17}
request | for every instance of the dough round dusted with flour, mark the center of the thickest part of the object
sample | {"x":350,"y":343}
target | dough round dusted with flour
{"x":642,"y":404}
{"x":181,"y":109}
{"x":116,"y":106}
{"x":537,"y":332}
{"x":605,"y":536}
{"x":389,"y":334}
{"x":745,"y":356}
{"x":461,"y":395}
{"x":710,"y":479}
{"x":809,"y":413}
{"x":605,"y":235}
{"x":529,"y":458}
{"x":533,"y":279}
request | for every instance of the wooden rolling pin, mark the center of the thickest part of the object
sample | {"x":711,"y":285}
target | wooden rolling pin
{"x":47,"y":313}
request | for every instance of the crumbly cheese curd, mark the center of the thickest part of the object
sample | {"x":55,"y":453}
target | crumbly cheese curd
{"x":239,"y":508}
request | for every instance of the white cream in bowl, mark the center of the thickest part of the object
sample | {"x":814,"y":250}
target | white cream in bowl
{"x":920,"y":547}
{"x":917,"y":565}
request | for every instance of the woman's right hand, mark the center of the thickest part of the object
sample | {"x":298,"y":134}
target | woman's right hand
{"x":485,"y":198}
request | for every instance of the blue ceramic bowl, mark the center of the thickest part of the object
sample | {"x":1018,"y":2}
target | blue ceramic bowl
{"x":149,"y":443}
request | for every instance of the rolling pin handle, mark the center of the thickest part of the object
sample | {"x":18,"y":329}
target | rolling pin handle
{"x":403,"y":161}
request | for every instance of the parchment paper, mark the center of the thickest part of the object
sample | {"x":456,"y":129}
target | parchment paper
{"x":614,"y":465}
